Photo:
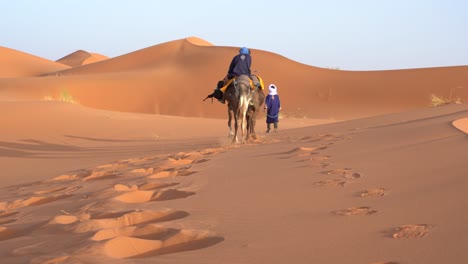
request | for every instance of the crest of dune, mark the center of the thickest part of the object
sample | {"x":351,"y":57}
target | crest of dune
{"x":198,"y":41}
{"x":81,"y":57}
{"x":14,"y":63}
{"x":172,"y":78}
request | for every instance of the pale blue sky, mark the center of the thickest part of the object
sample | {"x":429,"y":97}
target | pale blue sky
{"x":350,"y":35}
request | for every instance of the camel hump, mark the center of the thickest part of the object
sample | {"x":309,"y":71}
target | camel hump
{"x":244,"y":79}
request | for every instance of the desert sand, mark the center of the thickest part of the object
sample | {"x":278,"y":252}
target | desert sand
{"x":119,"y":160}
{"x":81,"y":57}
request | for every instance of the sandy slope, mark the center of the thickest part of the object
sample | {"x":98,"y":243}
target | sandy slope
{"x":173,"y":77}
{"x":94,"y":183}
{"x":461,"y":124}
{"x":81,"y":57}
{"x":56,"y":137}
{"x":358,"y":191}
{"x":15,"y":63}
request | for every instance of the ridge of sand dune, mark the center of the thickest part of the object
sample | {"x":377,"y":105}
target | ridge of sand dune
{"x":144,"y":59}
{"x":172,"y":78}
{"x":461,"y":124}
{"x":14,"y":63}
{"x":81,"y":57}
{"x":198,"y":41}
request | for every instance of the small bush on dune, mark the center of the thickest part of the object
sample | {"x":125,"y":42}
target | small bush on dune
{"x":64,"y":96}
{"x":439,"y":100}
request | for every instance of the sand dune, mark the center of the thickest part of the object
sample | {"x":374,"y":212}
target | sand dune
{"x":15,"y":63}
{"x":81,"y":57}
{"x":138,"y":171}
{"x":173,"y":77}
{"x":268,"y":209}
{"x":199,"y":41}
{"x":44,"y":131}
{"x":461,"y":124}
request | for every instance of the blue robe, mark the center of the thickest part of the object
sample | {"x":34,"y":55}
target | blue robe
{"x":240,"y":65}
{"x":272,"y":102}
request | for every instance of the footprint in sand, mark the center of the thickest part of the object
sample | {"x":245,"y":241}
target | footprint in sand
{"x":309,"y":139}
{"x":212,"y":151}
{"x":100,"y":175}
{"x":144,"y":171}
{"x":7,"y":221}
{"x":355,"y":211}
{"x":338,"y":171}
{"x":111,"y":166}
{"x":377,"y":192}
{"x":80,"y":174}
{"x":142,"y":196}
{"x":327,"y":136}
{"x":144,"y":187}
{"x":4,"y":214}
{"x":151,"y":240}
{"x":155,"y":185}
{"x":172,"y":172}
{"x":353,"y":176}
{"x":183,"y":158}
{"x":141,"y":162}
{"x":345,"y":172}
{"x":63,"y":190}
{"x":9,"y":232}
{"x":317,"y":161}
{"x":301,"y":152}
{"x":320,"y":158}
{"x":165,"y":171}
{"x":64,"y":177}
{"x":125,"y":188}
{"x":4,"y":217}
{"x":98,"y":221}
{"x":321,"y":137}
{"x":410,"y":231}
{"x":35,"y":200}
{"x":53,"y":190}
{"x":330,"y":183}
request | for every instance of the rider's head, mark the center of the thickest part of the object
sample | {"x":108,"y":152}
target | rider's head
{"x":244,"y":51}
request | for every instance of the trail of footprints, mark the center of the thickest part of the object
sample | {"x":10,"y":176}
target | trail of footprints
{"x":142,"y":181}
{"x":147,"y":180}
{"x":343,"y":176}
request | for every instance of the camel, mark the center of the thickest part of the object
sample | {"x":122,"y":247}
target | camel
{"x":256,"y":102}
{"x":238,"y":95}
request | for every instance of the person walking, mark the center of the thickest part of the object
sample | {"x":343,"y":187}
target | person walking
{"x":272,"y":107}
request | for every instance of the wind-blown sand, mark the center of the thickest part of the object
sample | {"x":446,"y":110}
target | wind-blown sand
{"x":84,"y":183}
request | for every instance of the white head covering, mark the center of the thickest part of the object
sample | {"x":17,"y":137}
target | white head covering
{"x":273,"y":89}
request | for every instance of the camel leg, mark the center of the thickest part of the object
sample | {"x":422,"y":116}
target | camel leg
{"x":243,"y":111}
{"x":236,"y":126}
{"x":249,"y":122}
{"x":253,"y":120}
{"x":230,"y":113}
